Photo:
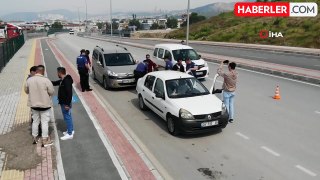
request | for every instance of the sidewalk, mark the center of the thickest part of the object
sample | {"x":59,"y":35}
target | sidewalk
{"x":14,"y":112}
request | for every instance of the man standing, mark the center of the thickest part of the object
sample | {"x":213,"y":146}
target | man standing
{"x":33,"y":71}
{"x":151,"y":65}
{"x":40,"y":90}
{"x":168,"y":63}
{"x":88,"y":57}
{"x":229,"y":86}
{"x":178,"y":66}
{"x":65,"y":100}
{"x":83,"y":69}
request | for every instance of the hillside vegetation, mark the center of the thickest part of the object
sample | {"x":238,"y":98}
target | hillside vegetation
{"x":299,"y":32}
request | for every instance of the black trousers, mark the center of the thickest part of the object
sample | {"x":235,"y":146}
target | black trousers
{"x":84,"y":79}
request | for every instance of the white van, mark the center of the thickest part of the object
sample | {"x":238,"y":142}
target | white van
{"x":176,"y":51}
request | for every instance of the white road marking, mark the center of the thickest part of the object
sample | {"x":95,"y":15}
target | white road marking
{"x":317,"y":65}
{"x":317,"y":112}
{"x":270,"y":151}
{"x":242,"y":135}
{"x":307,"y":171}
{"x":274,"y":76}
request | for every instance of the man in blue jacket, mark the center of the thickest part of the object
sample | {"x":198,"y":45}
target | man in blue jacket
{"x":83,"y":69}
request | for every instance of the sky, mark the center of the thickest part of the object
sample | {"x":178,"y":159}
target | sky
{"x":99,"y":6}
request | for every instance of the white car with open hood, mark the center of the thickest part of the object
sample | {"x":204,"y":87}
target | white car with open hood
{"x":183,"y":101}
{"x":179,"y":51}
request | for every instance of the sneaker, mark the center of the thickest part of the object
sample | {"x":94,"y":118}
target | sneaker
{"x":66,"y":137}
{"x":35,"y":140}
{"x":231,"y":121}
{"x":46,"y":142}
{"x":66,"y":132}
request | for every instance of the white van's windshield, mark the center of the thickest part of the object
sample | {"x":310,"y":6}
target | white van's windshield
{"x":184,"y":54}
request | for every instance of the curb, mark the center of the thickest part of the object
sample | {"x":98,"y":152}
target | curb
{"x":266,"y":70}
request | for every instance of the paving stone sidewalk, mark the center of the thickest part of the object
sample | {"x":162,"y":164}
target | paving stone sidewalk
{"x":14,"y":110}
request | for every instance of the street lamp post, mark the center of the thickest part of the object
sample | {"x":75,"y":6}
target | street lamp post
{"x":86,"y":15}
{"x":111,"y":17}
{"x":188,"y":22}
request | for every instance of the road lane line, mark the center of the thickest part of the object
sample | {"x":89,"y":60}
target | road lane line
{"x":317,"y":65}
{"x":305,"y":170}
{"x":317,"y":112}
{"x":270,"y":151}
{"x":271,"y":75}
{"x":254,"y":57}
{"x":242,"y":135}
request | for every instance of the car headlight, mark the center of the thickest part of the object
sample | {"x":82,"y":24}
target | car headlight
{"x":223,"y":108}
{"x":111,"y":73}
{"x":184,"y":114}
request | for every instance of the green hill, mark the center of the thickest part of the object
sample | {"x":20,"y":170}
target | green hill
{"x":226,"y":27}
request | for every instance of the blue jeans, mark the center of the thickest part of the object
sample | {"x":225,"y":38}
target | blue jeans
{"x":228,"y":99}
{"x":67,"y":118}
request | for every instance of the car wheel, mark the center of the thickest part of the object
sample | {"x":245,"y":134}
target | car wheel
{"x":142,"y":105}
{"x":105,"y":83}
{"x":171,"y":125}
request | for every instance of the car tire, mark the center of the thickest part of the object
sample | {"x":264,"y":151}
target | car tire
{"x":105,"y":83}
{"x":171,"y":125}
{"x":142,"y":105}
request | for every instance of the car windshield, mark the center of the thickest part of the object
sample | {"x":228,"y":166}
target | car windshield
{"x":184,"y":54}
{"x":119,"y":59}
{"x":185,"y":87}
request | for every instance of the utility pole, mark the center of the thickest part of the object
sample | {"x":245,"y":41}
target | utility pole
{"x":86,"y":15}
{"x":79,"y":20}
{"x":188,"y":22}
{"x":111,"y":22}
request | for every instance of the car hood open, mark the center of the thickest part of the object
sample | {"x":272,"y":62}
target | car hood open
{"x":200,"y":104}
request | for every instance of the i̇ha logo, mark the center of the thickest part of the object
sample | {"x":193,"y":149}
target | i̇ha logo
{"x":269,"y":34}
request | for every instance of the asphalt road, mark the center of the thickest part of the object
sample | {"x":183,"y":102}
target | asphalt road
{"x":297,"y":60}
{"x":269,"y":139}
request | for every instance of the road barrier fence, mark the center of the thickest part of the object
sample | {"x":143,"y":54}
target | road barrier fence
{"x":8,"y":48}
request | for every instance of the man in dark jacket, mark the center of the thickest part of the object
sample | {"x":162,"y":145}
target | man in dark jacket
{"x":65,"y":100}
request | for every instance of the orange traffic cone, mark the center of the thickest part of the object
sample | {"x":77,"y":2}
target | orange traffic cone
{"x":277,"y":94}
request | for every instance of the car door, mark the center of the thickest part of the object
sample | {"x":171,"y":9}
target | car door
{"x":147,"y":91}
{"x":159,"y":99}
{"x":100,"y":67}
{"x":160,"y":56}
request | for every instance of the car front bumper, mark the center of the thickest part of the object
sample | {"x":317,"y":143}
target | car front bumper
{"x":195,"y":127}
{"x":121,"y":83}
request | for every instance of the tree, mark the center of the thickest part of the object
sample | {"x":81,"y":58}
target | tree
{"x":100,"y":25}
{"x":172,"y":22}
{"x":194,"y":18}
{"x":154,"y":26}
{"x":135,"y":22}
{"x":57,"y":25}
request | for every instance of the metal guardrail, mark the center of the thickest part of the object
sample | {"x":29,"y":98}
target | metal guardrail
{"x":8,"y":48}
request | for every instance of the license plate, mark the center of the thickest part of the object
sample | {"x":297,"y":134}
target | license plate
{"x":127,"y":80}
{"x":199,"y":73}
{"x":210,"y":123}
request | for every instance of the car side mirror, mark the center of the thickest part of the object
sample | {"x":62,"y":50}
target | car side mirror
{"x":216,"y":91}
{"x":200,"y":56}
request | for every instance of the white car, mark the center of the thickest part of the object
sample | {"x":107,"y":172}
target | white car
{"x":179,"y":51}
{"x":181,"y":100}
